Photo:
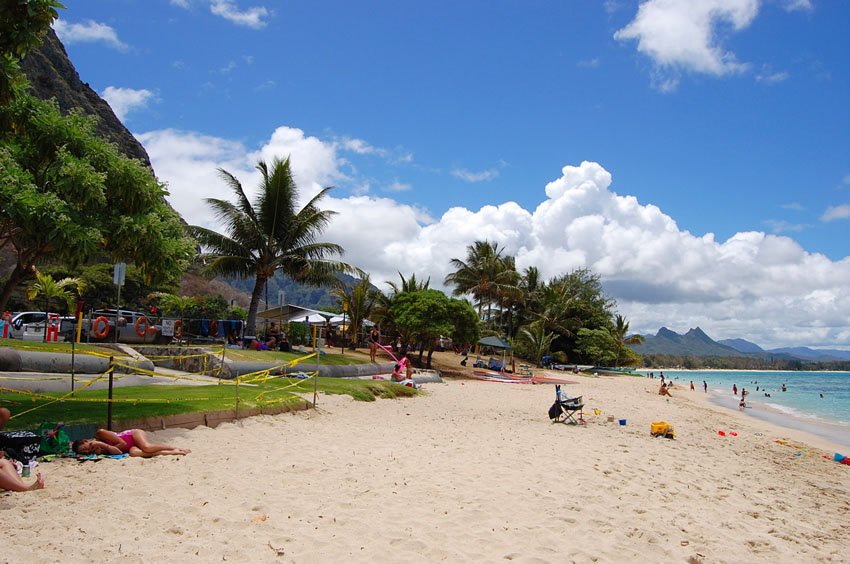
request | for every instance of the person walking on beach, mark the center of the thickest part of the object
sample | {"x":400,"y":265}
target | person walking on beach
{"x":705,"y":386}
{"x":692,"y":385}
{"x":374,"y":338}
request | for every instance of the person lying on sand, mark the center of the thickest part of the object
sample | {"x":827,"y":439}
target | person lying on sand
{"x":134,"y":442}
{"x":663,"y":391}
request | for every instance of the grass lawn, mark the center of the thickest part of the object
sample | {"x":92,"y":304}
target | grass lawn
{"x":38,"y":346}
{"x":283,"y":357}
{"x":89,"y":406}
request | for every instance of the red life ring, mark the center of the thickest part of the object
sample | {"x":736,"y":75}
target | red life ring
{"x":142,"y":326}
{"x":178,"y":328}
{"x":100,"y":333}
{"x":214,"y":327}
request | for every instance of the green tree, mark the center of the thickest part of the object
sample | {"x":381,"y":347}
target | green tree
{"x":23,"y":24}
{"x":357,"y":302}
{"x":47,"y":289}
{"x":597,"y":346}
{"x":425,"y":315}
{"x":269,"y":235}
{"x":68,"y":196}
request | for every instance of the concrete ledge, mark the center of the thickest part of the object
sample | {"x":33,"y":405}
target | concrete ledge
{"x":14,"y":360}
{"x":207,"y":419}
{"x":238,"y":368}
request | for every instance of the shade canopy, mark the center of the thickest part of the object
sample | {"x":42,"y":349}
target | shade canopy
{"x":289,"y":312}
{"x":495,"y":342}
{"x":298,"y":314}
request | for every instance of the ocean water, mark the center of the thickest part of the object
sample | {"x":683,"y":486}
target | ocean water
{"x":800,"y":406}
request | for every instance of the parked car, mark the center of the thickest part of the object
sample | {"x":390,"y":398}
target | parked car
{"x":132,"y":327}
{"x":29,"y":325}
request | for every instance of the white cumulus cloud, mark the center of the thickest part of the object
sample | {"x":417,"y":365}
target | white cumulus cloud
{"x":472,"y":177}
{"x":683,"y":36}
{"x":760,"y":286}
{"x":836,"y":212}
{"x":87,"y":32}
{"x":801,"y":5}
{"x":124,"y":100}
{"x":250,"y":17}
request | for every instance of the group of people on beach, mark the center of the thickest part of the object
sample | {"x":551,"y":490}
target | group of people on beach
{"x":132,"y":442}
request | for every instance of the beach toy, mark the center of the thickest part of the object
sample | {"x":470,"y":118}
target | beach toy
{"x":733,"y":433}
{"x":610,"y":419}
{"x":721,"y":433}
{"x":597,"y":411}
{"x":622,"y":422}
{"x":838,"y":457}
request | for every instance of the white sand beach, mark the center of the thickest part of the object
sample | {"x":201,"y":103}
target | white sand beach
{"x":469,"y":471}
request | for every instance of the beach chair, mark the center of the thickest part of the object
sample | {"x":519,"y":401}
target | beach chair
{"x":566,"y":409}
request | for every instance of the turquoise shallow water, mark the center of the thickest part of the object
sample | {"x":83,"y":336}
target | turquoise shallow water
{"x":801,"y":406}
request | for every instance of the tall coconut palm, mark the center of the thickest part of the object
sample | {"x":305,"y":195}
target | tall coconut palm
{"x":485,"y":274}
{"x":270,"y":234}
{"x":45,"y":287}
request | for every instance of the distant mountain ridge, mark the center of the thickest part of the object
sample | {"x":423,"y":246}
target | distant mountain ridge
{"x":697,"y":343}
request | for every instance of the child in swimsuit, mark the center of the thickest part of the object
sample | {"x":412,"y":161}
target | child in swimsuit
{"x":134,"y":442}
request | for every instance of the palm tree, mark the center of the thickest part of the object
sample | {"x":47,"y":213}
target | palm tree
{"x":270,"y":235}
{"x":173,"y":303}
{"x":49,"y":289}
{"x":619,"y":332}
{"x":358,"y":302}
{"x":485,"y":274}
{"x":537,"y":339}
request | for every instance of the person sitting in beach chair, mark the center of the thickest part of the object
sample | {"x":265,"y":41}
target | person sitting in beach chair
{"x":134,"y":442}
{"x":565,"y":408}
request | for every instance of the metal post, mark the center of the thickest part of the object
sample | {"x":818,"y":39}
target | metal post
{"x":342,"y":339}
{"x":237,"y":398}
{"x":73,"y":356}
{"x":316,"y":377}
{"x":117,"y":312}
{"x":111,"y":369}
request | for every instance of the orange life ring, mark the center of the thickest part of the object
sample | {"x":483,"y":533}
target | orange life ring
{"x":98,"y":333}
{"x":178,"y":328}
{"x":142,"y":326}
{"x":214,"y":327}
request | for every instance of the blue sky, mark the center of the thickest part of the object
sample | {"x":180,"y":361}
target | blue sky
{"x":707,"y":141}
